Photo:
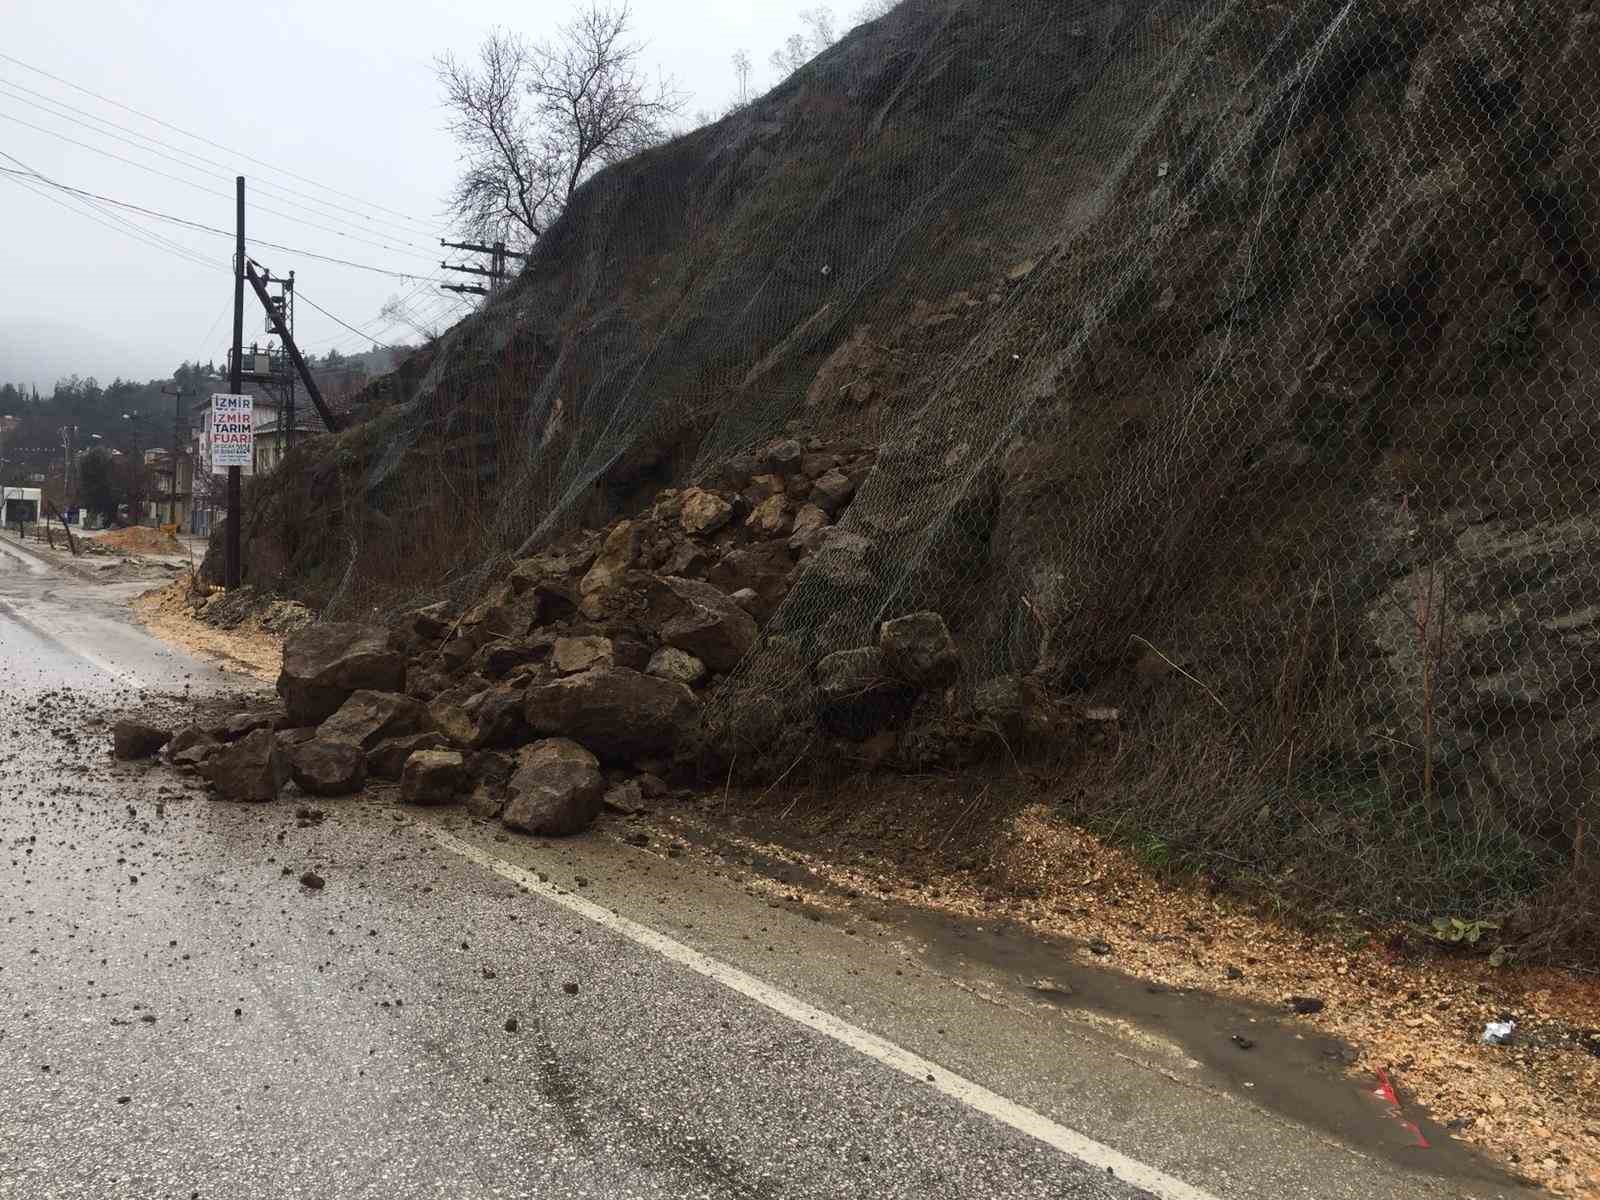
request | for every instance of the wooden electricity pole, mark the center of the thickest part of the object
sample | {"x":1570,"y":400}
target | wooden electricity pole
{"x":498,"y":272}
{"x":231,"y":573}
{"x":177,"y":449}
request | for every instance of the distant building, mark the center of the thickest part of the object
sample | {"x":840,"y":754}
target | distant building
{"x":20,"y":504}
{"x":170,"y":500}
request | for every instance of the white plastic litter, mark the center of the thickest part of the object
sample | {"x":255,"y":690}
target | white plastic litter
{"x":1499,"y":1033}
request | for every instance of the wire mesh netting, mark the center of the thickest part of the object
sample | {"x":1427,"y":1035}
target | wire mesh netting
{"x":1230,"y":364}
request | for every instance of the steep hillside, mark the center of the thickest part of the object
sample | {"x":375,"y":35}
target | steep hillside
{"x":1229,"y":365}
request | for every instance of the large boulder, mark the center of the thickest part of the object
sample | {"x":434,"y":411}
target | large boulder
{"x":611,"y":566}
{"x":784,"y":456}
{"x":919,"y":649}
{"x":701,"y":620}
{"x":1018,"y":708}
{"x":241,"y":723}
{"x":701,"y":512}
{"x":858,"y":696}
{"x":132,"y":740}
{"x":765,"y":568}
{"x":254,"y":768}
{"x":556,"y":789}
{"x":844,"y":560}
{"x":620,"y":714}
{"x":388,"y":758}
{"x":324,"y":664}
{"x":808,"y":531}
{"x":430,"y":623}
{"x":496,"y":716}
{"x":434,"y":777}
{"x":367,"y":718}
{"x":573,"y":654}
{"x":832,"y":491}
{"x":554,"y":570}
{"x":677,"y":665}
{"x":453,"y":720}
{"x":190,"y":747}
{"x":769,"y":518}
{"x":324,"y":768}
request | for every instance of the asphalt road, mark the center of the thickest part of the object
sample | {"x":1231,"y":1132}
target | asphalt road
{"x":458,"y":1013}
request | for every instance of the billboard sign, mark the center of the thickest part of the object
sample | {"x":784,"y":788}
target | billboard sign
{"x":233,"y":432}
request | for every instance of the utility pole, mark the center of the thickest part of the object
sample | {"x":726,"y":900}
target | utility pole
{"x":231,"y":572}
{"x":287,"y":337}
{"x":498,"y":273}
{"x":177,"y":447}
{"x":286,"y":423}
{"x":68,"y":433}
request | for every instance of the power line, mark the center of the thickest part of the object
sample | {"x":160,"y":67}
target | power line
{"x":299,"y":295}
{"x":202,"y":188}
{"x":118,"y":224}
{"x":207,"y":141}
{"x":151,"y":212}
{"x":210,"y":162}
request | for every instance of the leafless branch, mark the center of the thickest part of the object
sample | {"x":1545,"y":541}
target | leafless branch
{"x":535,"y":120}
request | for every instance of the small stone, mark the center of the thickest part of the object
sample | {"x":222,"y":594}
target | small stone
{"x":1307,"y":1005}
{"x":511,"y":1024}
{"x":1099,"y":946}
{"x":1241,"y":1041}
{"x":570,"y":989}
{"x":312,"y":880}
{"x":1234,"y":972}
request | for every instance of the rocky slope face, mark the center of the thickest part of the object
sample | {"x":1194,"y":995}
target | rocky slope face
{"x":1227,"y":364}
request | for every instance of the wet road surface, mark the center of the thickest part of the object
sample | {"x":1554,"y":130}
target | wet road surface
{"x":448,"y":1016}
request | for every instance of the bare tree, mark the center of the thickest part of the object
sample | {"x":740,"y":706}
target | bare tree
{"x":791,"y":56}
{"x":819,"y":24}
{"x":742,"y":68}
{"x":534,"y":120}
{"x":871,"y":10}
{"x":800,"y":48}
{"x":397,"y":311}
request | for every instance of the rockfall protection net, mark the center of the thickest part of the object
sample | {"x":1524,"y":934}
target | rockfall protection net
{"x":1229,"y":363}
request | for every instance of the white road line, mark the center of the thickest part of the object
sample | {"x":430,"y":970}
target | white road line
{"x":1021,"y":1118}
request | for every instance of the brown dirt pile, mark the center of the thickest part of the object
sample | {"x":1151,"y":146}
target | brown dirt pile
{"x":140,"y":539}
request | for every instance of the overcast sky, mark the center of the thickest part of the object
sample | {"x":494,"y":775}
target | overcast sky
{"x":339,"y":92}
